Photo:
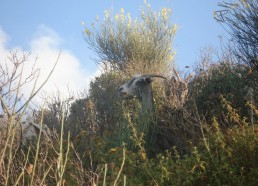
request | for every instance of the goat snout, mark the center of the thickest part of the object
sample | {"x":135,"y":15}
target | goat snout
{"x":122,"y":91}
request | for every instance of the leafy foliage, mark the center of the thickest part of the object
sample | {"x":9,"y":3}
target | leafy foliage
{"x":225,"y":80}
{"x":122,"y":40}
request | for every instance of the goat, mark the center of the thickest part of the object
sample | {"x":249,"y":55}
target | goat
{"x":31,"y":131}
{"x":140,"y":86}
{"x":24,"y":132}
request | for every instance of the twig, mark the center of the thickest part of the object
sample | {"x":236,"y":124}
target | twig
{"x":33,"y":94}
{"x":121,"y":168}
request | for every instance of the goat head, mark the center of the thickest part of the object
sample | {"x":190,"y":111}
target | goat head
{"x":135,"y":85}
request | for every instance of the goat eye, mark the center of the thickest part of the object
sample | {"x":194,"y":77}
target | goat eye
{"x":147,"y":80}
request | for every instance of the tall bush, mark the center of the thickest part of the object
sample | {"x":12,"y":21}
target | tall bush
{"x":147,"y":40}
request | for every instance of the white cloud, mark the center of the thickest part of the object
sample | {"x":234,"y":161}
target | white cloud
{"x":3,"y":40}
{"x":45,"y":46}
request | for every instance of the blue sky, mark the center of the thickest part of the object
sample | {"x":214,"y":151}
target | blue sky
{"x":45,"y":27}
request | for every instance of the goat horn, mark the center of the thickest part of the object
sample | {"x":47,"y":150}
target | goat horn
{"x":152,"y":75}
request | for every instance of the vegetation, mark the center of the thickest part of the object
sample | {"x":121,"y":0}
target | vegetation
{"x":240,"y":19}
{"x":204,"y":130}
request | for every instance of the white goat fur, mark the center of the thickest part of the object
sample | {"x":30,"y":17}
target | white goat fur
{"x":31,"y":131}
{"x":25,"y":132}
